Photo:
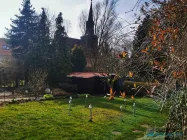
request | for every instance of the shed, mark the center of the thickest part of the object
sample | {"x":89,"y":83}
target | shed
{"x":89,"y":82}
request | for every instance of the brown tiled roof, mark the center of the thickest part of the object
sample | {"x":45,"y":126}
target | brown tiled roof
{"x":87,"y":74}
{"x":3,"y":51}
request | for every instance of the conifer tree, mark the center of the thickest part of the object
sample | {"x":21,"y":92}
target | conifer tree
{"x":38,"y":56}
{"x":60,"y":64}
{"x":78,"y":60}
{"x":23,"y":28}
{"x":141,"y":33}
{"x":21,"y":34}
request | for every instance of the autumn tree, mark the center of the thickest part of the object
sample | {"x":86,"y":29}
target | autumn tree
{"x":163,"y":60}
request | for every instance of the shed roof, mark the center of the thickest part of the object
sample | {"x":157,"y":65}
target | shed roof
{"x":87,"y":74}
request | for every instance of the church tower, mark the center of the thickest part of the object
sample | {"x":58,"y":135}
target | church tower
{"x":89,"y":41}
{"x":90,"y":23}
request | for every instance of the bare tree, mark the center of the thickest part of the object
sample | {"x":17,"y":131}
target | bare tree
{"x":82,"y":22}
{"x":105,"y":19}
{"x":108,"y":29}
{"x":67,"y":25}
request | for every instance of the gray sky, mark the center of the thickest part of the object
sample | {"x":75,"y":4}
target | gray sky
{"x":71,"y":10}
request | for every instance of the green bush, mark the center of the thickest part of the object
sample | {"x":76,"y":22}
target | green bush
{"x":74,"y":95}
{"x":83,"y":95}
{"x":48,"y":96}
{"x":14,"y":101}
{"x":177,"y":106}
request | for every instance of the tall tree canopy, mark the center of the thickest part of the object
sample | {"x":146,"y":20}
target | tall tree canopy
{"x":142,"y":33}
{"x":60,"y":63}
{"x":22,"y":33}
{"x":78,"y":60}
{"x":23,"y":29}
{"x":38,"y":55}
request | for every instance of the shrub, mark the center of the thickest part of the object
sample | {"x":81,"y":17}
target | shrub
{"x":177,"y":106}
{"x":14,"y":101}
{"x":37,"y":81}
{"x":72,"y":95}
{"x":83,"y":95}
{"x":48,"y":97}
{"x":128,"y":87}
{"x":21,"y":90}
{"x":59,"y":92}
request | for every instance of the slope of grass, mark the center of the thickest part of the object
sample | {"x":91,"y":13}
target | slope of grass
{"x":49,"y":120}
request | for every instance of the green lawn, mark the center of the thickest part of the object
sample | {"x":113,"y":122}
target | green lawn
{"x":49,"y":120}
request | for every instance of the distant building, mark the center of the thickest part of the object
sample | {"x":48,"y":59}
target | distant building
{"x":89,"y":41}
{"x":5,"y":50}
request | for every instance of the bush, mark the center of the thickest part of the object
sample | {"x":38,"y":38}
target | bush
{"x":14,"y":101}
{"x":59,"y":92}
{"x":83,"y":95}
{"x":128,"y":87}
{"x":72,"y":95}
{"x":69,"y":87}
{"x":48,"y":97}
{"x":177,"y":106}
{"x":37,"y":81}
{"x":21,"y":90}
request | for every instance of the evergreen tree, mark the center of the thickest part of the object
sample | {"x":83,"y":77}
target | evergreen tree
{"x":38,"y":56}
{"x":60,"y":64}
{"x":43,"y":30}
{"x":78,"y":60}
{"x":22,"y":33}
{"x":60,"y":30}
{"x":141,"y":33}
{"x":23,"y":29}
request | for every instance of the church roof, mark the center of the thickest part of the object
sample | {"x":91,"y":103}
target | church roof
{"x":73,"y":41}
{"x":90,"y":17}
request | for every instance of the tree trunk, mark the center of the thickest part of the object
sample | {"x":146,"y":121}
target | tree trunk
{"x":26,"y":78}
{"x":16,"y":81}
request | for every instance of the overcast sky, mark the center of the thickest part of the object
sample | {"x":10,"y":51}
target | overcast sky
{"x":71,"y":10}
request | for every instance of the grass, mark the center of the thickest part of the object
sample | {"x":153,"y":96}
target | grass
{"x":49,"y":120}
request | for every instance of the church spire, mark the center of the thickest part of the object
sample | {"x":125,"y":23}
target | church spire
{"x":90,"y":22}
